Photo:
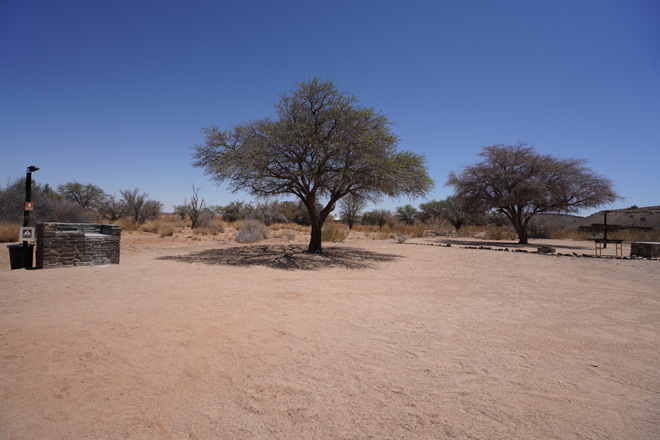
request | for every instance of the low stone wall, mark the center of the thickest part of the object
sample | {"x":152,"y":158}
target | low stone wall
{"x":77,"y":244}
{"x":648,"y":249}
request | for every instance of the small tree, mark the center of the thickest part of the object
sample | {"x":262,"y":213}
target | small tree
{"x":378,"y":217}
{"x":269,"y":212}
{"x":407,"y":214}
{"x":138,"y":206}
{"x":520,"y":183}
{"x":193,"y":209}
{"x":236,"y":210}
{"x":87,"y":196}
{"x":111,"y":208}
{"x":350,"y":208}
{"x":321,"y":148}
{"x":150,"y":210}
{"x":450,"y":209}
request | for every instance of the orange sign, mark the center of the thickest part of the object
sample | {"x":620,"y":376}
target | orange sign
{"x":29,"y":206}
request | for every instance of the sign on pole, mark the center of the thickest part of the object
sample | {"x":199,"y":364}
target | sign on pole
{"x":27,"y":234}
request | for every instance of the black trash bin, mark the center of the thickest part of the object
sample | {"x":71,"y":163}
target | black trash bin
{"x":16,"y":259}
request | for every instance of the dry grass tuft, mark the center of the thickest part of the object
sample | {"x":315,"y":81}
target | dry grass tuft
{"x":381,"y":235}
{"x":152,"y":226}
{"x":128,"y":224}
{"x":334,"y":233}
{"x":209,"y":230}
{"x":286,"y":234}
{"x":292,"y":226}
{"x":365,"y":229}
{"x":167,"y":230}
{"x":9,"y":232}
{"x":416,"y":231}
{"x":499,"y":233}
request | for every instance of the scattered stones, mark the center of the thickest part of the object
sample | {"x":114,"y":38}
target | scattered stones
{"x":548,"y":250}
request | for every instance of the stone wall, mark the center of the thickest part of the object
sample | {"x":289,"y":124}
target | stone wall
{"x":648,"y":249}
{"x":77,"y":244}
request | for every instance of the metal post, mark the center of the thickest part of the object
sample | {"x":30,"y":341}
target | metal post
{"x":26,"y":212}
{"x":605,"y":229}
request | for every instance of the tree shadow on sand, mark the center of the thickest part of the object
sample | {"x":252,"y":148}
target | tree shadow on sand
{"x":287,"y":257}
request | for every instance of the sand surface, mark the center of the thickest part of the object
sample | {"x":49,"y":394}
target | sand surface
{"x":213,"y":340}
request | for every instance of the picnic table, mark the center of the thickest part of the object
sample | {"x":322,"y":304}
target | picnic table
{"x":599,"y":242}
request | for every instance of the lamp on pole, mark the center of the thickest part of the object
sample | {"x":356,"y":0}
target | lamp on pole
{"x":27,"y":210}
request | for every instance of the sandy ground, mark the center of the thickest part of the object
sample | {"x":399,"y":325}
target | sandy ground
{"x":212,"y":340}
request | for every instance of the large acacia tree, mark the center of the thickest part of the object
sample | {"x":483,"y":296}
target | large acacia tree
{"x":520,"y":183}
{"x":322,"y":146}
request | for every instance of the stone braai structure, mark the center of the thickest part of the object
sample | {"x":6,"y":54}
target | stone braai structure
{"x":648,"y":249}
{"x":77,"y":244}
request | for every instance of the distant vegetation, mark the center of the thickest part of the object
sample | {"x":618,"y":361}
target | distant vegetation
{"x":520,"y":183}
{"x":73,"y":202}
{"x":471,"y":211}
{"x":249,"y":222}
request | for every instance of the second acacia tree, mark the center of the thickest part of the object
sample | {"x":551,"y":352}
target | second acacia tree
{"x":321,"y":147}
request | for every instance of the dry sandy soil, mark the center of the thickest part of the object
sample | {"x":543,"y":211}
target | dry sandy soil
{"x":213,"y":340}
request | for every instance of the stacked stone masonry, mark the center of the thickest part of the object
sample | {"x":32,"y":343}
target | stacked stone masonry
{"x":77,"y":244}
{"x":648,"y":249}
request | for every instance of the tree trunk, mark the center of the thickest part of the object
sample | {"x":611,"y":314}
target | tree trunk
{"x":521,"y":230}
{"x":315,"y":240}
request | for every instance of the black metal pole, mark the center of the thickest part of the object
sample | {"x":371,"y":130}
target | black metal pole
{"x":605,"y":230}
{"x":26,"y":214}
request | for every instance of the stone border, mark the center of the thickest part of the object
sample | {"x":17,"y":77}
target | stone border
{"x":549,"y":254}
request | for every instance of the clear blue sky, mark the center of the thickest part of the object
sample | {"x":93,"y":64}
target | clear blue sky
{"x":115,"y":93}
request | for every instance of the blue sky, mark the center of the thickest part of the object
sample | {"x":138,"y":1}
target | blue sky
{"x":115,"y":93}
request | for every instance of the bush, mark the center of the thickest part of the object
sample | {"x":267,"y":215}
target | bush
{"x":401,"y":237}
{"x":416,"y":231}
{"x":49,"y":207}
{"x":167,"y":230}
{"x":334,"y":233}
{"x":269,"y":212}
{"x":403,"y":232}
{"x":9,"y":232}
{"x":127,"y":224}
{"x":210,"y":229}
{"x":500,"y":233}
{"x":538,"y":229}
{"x":284,"y":233}
{"x":235,"y":211}
{"x":251,"y":231}
{"x":152,"y":226}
